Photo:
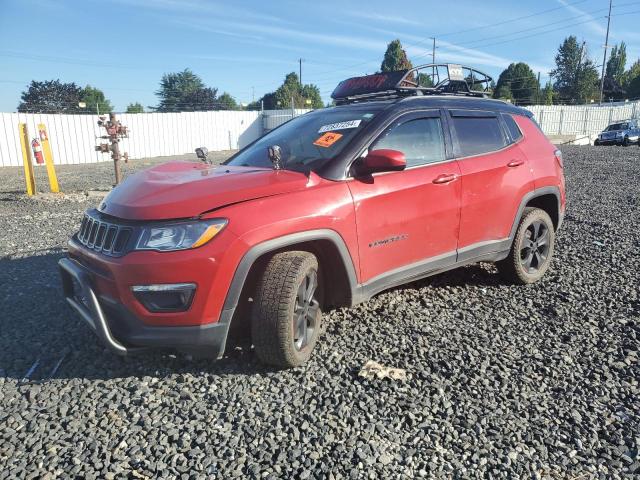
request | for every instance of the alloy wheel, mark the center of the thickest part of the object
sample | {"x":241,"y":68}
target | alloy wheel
{"x":534,"y":250}
{"x":305,"y":313}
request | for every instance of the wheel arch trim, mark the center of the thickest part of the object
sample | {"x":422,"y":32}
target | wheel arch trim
{"x":538,"y":192}
{"x":257,"y":251}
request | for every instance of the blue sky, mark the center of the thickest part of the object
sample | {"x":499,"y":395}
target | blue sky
{"x":246,"y":47}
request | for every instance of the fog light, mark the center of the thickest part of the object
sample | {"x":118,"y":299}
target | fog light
{"x":171,"y":297}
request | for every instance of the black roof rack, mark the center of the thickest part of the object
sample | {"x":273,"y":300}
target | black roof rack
{"x":430,"y":79}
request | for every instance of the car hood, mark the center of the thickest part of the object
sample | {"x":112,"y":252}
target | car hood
{"x":181,"y":189}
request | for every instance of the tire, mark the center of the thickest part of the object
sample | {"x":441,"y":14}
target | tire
{"x":286,"y":319}
{"x":528,"y":260}
{"x":625,"y":142}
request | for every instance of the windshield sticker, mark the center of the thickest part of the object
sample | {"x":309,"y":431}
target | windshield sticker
{"x":328,"y":139}
{"x":339,"y":126}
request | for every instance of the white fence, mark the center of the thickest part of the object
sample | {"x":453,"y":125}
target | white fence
{"x":73,"y":137}
{"x":581,"y":119}
{"x":275,"y":118}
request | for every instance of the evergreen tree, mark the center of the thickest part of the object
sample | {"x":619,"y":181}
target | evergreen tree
{"x":575,"y":75}
{"x":95,"y":101}
{"x":185,"y":91}
{"x":227,"y":102}
{"x":517,"y":83}
{"x":395,"y":58}
{"x":135,"y":108}
{"x":617,"y":63}
{"x":547,"y":94}
{"x":51,"y":96}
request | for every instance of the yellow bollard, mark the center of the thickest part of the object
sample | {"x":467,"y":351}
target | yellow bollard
{"x":26,"y":158}
{"x":48,"y":158}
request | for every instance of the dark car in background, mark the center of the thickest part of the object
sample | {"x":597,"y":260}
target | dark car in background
{"x":620,"y":133}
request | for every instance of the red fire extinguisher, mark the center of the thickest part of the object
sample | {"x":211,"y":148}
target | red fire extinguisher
{"x":37,"y":151}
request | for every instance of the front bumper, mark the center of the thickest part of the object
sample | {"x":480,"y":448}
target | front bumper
{"x":122,"y":332}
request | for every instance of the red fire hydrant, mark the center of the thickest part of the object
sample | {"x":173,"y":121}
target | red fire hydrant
{"x":37,"y":151}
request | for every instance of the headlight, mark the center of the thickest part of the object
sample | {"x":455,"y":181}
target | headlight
{"x":179,"y":236}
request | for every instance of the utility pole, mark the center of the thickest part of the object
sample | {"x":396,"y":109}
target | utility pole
{"x":300,"y":69}
{"x":538,"y":92}
{"x":253,"y":94}
{"x":606,"y":45}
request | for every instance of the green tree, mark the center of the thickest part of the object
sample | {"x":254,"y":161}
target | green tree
{"x":135,"y":108}
{"x":617,"y":63}
{"x":425,"y":80}
{"x":95,"y":100}
{"x":269,"y":101}
{"x":51,"y":96}
{"x":185,"y":91}
{"x":395,"y":58}
{"x":503,"y":93}
{"x":633,"y":88}
{"x":575,"y":75}
{"x":517,"y":83}
{"x":633,"y":72}
{"x":311,"y":95}
{"x":289,"y":90}
{"x":303,"y":96}
{"x":227,"y":102}
{"x":547,"y":94}
{"x":200,"y":100}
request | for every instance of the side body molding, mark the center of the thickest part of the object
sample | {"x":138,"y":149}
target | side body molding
{"x":484,"y":251}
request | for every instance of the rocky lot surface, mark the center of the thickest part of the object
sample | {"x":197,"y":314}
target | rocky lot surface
{"x":502,"y":381}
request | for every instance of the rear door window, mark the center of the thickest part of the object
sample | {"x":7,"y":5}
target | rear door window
{"x":477,"y":132}
{"x":421,"y":140}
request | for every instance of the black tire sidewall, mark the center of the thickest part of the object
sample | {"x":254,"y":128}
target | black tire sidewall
{"x":272,"y":324}
{"x":531,"y":216}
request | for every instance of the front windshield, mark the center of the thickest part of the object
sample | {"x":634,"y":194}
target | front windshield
{"x":307,"y":142}
{"x":617,"y":126}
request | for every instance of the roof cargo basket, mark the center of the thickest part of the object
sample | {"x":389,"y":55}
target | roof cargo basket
{"x":431,"y":79}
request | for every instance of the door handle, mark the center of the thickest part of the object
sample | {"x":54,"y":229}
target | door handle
{"x":445,"y":178}
{"x":515,"y":163}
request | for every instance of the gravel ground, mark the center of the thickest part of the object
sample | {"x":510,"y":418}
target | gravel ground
{"x":502,"y":381}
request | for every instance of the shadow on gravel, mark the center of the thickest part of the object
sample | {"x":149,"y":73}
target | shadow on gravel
{"x":41,"y":336}
{"x":39,"y":332}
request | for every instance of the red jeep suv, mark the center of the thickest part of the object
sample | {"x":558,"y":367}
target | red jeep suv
{"x":397,"y":182}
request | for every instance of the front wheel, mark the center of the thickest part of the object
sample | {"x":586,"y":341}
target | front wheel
{"x":286,"y":318}
{"x":596,"y":143}
{"x":625,"y":142}
{"x":531,"y":250}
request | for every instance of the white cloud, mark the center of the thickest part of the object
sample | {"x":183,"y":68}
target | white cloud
{"x":383,"y":17}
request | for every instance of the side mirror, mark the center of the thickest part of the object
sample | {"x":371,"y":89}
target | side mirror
{"x":382,"y":160}
{"x":201,"y":153}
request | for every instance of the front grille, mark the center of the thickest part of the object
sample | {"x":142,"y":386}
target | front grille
{"x":104,"y":236}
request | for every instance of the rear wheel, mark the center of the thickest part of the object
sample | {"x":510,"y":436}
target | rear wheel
{"x":531,"y":250}
{"x":286,"y":317}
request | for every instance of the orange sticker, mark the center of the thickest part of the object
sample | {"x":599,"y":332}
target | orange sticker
{"x":328,"y":139}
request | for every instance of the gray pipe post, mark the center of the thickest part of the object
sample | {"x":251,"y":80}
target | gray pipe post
{"x":604,"y":60}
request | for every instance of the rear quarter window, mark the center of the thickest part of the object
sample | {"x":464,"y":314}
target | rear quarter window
{"x":512,"y":128}
{"x":477,"y":134}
